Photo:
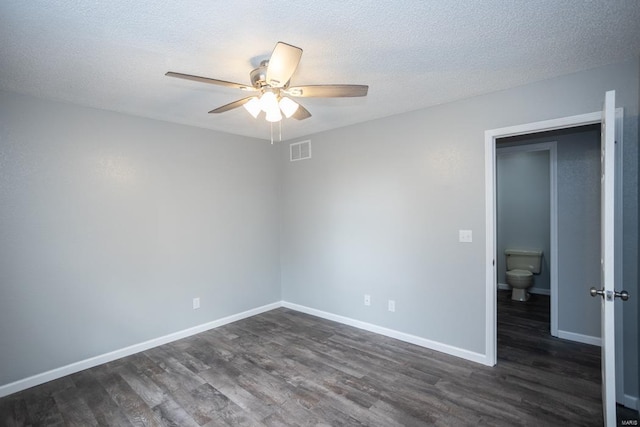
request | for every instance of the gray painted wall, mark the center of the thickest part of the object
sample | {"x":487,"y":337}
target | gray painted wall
{"x":579,"y":232}
{"x":523,"y":209}
{"x":111,"y":224}
{"x":378,"y":208}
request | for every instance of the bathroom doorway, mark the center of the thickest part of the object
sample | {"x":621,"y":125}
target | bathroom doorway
{"x":526,"y":208}
{"x":552,"y":130}
{"x":548,"y":198}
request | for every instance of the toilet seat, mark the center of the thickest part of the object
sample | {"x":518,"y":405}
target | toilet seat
{"x":519,"y":274}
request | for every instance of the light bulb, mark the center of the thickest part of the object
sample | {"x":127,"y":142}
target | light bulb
{"x":269,"y":102}
{"x":274,"y":115}
{"x":253,"y":107}
{"x":288,"y":106}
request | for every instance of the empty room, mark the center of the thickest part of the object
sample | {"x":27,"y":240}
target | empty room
{"x":266,"y":213}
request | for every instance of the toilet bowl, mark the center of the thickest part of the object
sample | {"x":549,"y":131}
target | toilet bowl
{"x":522,"y":264}
{"x":520,"y":281}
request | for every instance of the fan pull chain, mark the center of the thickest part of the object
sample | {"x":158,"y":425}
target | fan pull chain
{"x":279,"y":131}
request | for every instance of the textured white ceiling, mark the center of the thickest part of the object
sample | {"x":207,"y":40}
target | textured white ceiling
{"x":412,"y":54}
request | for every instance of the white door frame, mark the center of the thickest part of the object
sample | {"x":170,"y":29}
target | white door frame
{"x":490,"y":137}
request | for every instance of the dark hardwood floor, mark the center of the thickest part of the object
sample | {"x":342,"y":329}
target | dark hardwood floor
{"x":289,"y":368}
{"x":524,"y":338}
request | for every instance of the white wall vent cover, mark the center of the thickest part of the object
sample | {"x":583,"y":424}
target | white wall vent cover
{"x":300,"y":150}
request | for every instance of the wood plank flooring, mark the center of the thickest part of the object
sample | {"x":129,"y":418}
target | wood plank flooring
{"x":284,"y":368}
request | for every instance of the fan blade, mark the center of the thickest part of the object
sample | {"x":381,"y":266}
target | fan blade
{"x":211,"y":81}
{"x":282,"y":64}
{"x":301,"y":113}
{"x":328,"y":91}
{"x":231,"y":105}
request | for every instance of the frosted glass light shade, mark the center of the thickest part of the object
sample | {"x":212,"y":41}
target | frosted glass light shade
{"x":274,"y":115}
{"x":253,"y":107}
{"x":269,"y":102}
{"x":288,"y":106}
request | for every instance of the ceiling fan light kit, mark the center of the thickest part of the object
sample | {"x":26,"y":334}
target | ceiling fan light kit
{"x":271,"y":80}
{"x":288,"y":106}
{"x":269,"y":104}
{"x":253,"y":107}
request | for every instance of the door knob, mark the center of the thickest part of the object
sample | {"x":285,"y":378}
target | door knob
{"x":623,"y":295}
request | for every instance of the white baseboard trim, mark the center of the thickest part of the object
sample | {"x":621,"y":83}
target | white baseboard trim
{"x":631,"y":402}
{"x":422,"y":342}
{"x":533,"y":290}
{"x":585,"y":339}
{"x":81,"y":365}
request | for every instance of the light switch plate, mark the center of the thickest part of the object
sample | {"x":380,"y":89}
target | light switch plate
{"x":465,"y":236}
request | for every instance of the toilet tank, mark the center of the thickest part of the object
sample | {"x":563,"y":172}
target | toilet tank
{"x":524,"y":259}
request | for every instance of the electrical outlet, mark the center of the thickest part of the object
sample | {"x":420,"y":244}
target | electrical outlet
{"x":465,"y":236}
{"x":367,"y":299}
{"x":196,"y":303}
{"x":392,"y":305}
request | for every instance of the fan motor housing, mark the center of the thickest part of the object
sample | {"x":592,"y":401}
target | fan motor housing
{"x":259,"y":75}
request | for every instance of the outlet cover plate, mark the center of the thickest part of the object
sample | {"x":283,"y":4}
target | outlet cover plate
{"x":392,"y":305}
{"x":465,"y":236}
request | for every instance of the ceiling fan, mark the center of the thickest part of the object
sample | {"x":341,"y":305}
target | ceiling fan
{"x":271,"y":89}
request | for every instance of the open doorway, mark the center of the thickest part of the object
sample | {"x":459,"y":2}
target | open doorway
{"x":548,"y":199}
{"x":491,"y":136}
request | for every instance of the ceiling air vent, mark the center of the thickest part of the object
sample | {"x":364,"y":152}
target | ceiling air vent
{"x":300,"y":150}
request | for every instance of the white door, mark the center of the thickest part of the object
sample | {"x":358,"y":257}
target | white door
{"x":607,"y":291}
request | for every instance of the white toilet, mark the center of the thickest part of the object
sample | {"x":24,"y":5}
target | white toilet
{"x":521,"y":266}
